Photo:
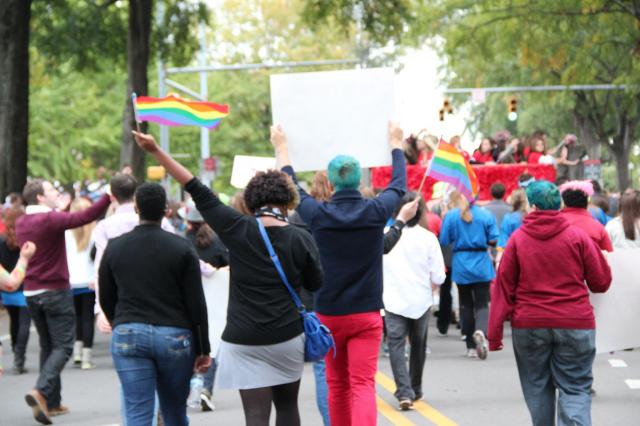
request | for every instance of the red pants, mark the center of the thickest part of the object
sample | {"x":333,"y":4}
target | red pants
{"x":351,"y":374}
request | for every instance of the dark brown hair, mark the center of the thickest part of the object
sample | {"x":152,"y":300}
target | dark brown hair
{"x":204,"y":234}
{"x":630,"y":212}
{"x":31,"y":190}
{"x":11,"y":214}
{"x":320,"y":187}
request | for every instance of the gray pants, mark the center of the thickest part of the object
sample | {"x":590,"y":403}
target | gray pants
{"x":54,"y":316}
{"x":408,"y":382}
{"x":550,"y":360}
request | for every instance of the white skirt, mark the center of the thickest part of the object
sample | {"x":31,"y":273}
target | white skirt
{"x":250,"y":367}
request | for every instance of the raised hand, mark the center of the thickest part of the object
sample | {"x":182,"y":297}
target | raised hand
{"x":145,"y":142}
{"x":408,"y":211}
{"x":27,"y":250}
{"x":395,"y":135}
{"x":278,"y":138}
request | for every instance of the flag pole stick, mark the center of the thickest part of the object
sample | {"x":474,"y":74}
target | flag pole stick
{"x":426,"y":173}
{"x":134,"y":97}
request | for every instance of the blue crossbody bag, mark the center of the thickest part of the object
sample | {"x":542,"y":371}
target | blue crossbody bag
{"x":318,"y":339}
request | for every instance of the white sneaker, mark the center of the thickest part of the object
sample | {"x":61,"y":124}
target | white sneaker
{"x":206,"y":402}
{"x":481,"y":344}
{"x":471,"y":353}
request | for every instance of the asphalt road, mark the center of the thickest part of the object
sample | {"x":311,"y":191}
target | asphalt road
{"x":458,"y":390}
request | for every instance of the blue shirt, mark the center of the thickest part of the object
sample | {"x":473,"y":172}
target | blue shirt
{"x":510,"y":223}
{"x":15,"y":298}
{"x":471,"y":261}
{"x":349,"y":231}
{"x":599,"y":215}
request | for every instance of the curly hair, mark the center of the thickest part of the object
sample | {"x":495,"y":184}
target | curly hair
{"x":272,"y":188}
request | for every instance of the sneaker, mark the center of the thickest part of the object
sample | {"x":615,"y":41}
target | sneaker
{"x":418,"y":397}
{"x":206,"y":403}
{"x":405,"y":404}
{"x":87,"y":365}
{"x":58,"y":411}
{"x":471,"y":353}
{"x":38,"y":404}
{"x":481,"y":344}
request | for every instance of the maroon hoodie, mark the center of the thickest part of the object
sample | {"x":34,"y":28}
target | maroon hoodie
{"x":542,"y":275}
{"x":48,"y":268}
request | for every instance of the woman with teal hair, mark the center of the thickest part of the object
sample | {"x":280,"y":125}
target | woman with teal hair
{"x":541,"y":288}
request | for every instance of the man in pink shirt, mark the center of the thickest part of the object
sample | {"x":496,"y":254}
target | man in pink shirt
{"x":47,"y":289}
{"x":575,"y":195}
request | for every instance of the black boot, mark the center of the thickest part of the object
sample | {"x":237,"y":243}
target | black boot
{"x":18,"y":363}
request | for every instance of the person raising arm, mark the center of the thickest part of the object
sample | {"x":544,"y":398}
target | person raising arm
{"x":10,"y":281}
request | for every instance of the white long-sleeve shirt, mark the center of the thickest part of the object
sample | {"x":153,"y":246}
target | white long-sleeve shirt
{"x":409,"y":270}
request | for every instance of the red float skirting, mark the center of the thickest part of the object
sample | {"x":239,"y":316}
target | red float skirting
{"x":507,"y":174}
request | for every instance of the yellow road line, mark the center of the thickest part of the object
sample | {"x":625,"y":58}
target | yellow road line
{"x":392,"y":414}
{"x":421,"y":407}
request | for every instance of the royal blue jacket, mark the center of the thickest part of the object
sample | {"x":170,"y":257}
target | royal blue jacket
{"x":349,"y":231}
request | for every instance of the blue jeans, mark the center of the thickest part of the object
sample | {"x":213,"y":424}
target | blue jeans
{"x":551,"y":359}
{"x":123,"y":409}
{"x":149,"y":358}
{"x":320,"y":374}
{"x":210,"y":376}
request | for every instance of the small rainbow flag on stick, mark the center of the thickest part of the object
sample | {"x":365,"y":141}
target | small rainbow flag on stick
{"x":448,"y":165}
{"x":176,"y":111}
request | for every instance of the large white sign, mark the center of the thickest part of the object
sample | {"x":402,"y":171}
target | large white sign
{"x":246,"y":166}
{"x":216,"y":294}
{"x":618,"y":310}
{"x":325,"y":114}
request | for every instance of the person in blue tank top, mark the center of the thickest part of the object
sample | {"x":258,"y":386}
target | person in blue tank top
{"x":472,"y":230}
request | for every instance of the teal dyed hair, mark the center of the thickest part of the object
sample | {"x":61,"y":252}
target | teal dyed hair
{"x":544,"y":195}
{"x":344,"y":172}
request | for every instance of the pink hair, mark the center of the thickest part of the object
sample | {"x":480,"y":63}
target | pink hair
{"x":578,"y":185}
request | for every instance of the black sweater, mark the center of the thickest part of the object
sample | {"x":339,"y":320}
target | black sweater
{"x":260,"y":310}
{"x":153,"y":277}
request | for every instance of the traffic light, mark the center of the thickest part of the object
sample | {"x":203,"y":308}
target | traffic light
{"x":446,"y":106}
{"x":441,"y":114}
{"x":513,"y":104}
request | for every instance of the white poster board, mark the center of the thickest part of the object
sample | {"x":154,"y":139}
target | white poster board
{"x":216,"y":294}
{"x":246,"y":166}
{"x":325,"y":114}
{"x":618,"y":310}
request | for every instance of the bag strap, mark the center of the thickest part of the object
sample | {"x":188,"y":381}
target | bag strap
{"x":276,"y":261}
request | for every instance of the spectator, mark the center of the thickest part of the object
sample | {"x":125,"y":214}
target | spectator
{"x":512,"y":221}
{"x":575,"y":195}
{"x":472,"y":230}
{"x":151,"y":294}
{"x":624,"y":230}
{"x":208,"y":245}
{"x":525,"y":179}
{"x":540,"y":281}
{"x":410,"y":269}
{"x":46,"y":287}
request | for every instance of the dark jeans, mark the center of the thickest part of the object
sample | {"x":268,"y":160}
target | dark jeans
{"x":408,"y":383}
{"x":147,"y":358}
{"x":474,"y":309}
{"x":444,"y":311}
{"x":19,"y":330}
{"x":550,"y":360}
{"x":54,"y":317}
{"x":84,"y":304}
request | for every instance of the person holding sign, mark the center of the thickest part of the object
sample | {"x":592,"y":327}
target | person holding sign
{"x":349,"y":232}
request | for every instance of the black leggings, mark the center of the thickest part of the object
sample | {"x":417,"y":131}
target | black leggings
{"x":20,"y":322}
{"x":257,"y":404}
{"x":84,"y":317}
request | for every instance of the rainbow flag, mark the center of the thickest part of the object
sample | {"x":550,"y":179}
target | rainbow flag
{"x":175,"y":111}
{"x":448,"y":165}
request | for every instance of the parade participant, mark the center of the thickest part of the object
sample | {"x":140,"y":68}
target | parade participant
{"x":572,"y":153}
{"x":538,"y":149}
{"x":624,"y":230}
{"x":13,"y":259}
{"x":472,"y":230}
{"x":410,"y":269}
{"x":513,"y":220}
{"x":151,"y":294}
{"x":349,"y":232}
{"x":547,"y":302}
{"x":456,"y":141}
{"x":575,"y":195}
{"x":262,"y":348}
{"x":484,"y":153}
{"x":497,"y":206}
{"x":420,"y":148}
{"x":46,"y":287}
{"x":81,"y":278}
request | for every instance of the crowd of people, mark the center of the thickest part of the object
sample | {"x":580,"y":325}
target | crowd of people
{"x":372,"y":266}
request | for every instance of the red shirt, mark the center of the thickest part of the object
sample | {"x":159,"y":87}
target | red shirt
{"x":48,"y":268}
{"x":541,"y":278}
{"x":594,"y":229}
{"x":434,"y":223}
{"x":482,"y":158}
{"x":534,"y":157}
